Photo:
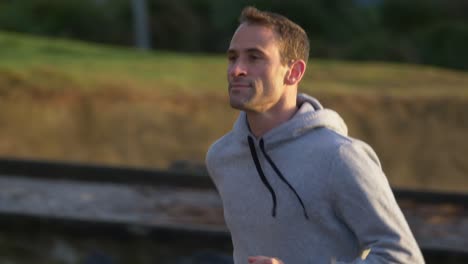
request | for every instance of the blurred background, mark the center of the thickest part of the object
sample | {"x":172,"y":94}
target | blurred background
{"x":75,"y":84}
{"x":141,"y":83}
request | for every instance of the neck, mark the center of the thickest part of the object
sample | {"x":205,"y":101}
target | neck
{"x":261,"y":123}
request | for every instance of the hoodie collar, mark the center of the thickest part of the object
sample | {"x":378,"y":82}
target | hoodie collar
{"x":310,"y":115}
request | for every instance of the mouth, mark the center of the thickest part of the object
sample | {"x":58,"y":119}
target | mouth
{"x":239,"y":86}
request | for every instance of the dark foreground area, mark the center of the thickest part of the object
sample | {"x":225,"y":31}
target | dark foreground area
{"x":71,"y":213}
{"x":25,"y":240}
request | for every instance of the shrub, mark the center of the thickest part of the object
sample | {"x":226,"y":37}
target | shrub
{"x":444,"y":44}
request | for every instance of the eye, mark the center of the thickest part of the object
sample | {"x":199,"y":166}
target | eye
{"x":231,"y":57}
{"x":253,"y":57}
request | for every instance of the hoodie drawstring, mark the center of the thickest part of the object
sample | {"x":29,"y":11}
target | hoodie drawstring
{"x":277,"y":171}
{"x":262,"y":175}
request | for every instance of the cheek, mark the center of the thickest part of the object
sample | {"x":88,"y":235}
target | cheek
{"x":273,"y":78}
{"x":267,"y":76}
{"x":228,"y":72}
{"x":280,"y":78}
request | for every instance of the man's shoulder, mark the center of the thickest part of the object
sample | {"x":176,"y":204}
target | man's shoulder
{"x":221,"y":145}
{"x":327,"y":139}
{"x":330,"y":141}
{"x":344,"y":148}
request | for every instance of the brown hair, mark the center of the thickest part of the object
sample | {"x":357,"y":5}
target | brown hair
{"x":293,"y":40}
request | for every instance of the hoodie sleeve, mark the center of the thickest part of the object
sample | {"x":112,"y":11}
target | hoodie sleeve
{"x":363,"y":200}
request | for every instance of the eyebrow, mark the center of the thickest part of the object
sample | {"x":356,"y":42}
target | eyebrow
{"x":249,"y":50}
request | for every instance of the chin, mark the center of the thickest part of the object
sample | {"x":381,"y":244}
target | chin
{"x":241,"y":101}
{"x":237,"y":105}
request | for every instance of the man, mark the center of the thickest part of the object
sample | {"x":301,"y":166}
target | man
{"x":295,"y":188}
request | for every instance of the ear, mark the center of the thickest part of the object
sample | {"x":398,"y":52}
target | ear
{"x":295,"y":73}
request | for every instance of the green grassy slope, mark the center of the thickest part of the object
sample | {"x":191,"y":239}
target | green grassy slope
{"x":82,"y":64}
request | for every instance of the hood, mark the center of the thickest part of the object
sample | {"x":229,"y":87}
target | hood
{"x":310,"y":115}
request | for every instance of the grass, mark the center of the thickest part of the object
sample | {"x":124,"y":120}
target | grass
{"x":75,"y":101}
{"x":89,"y":65}
{"x":86,"y":65}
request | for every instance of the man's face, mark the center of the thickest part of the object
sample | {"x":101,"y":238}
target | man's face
{"x":255,"y":72}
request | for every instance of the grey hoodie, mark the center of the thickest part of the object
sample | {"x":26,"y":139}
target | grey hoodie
{"x":307,"y":193}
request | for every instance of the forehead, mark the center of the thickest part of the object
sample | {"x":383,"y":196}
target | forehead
{"x":249,"y":36}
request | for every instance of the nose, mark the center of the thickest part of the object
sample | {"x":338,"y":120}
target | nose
{"x":237,"y":68}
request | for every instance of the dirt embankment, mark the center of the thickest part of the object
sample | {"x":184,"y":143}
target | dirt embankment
{"x":421,"y":141}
